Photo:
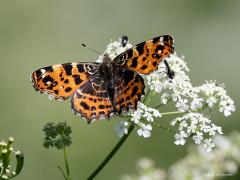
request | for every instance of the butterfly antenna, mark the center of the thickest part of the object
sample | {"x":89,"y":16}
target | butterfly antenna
{"x":84,"y":45}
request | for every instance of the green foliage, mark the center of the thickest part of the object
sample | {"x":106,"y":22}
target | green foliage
{"x":57,"y":135}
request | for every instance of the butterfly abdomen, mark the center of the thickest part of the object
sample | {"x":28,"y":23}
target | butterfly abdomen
{"x":107,"y":72}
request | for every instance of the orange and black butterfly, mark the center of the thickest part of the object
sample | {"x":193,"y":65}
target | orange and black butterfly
{"x":100,"y":89}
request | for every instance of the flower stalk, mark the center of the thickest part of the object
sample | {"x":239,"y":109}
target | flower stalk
{"x":112,"y":153}
{"x":58,"y":136}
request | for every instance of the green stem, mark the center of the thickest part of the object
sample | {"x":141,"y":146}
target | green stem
{"x":160,"y":105}
{"x":60,"y":169}
{"x":148,"y":100}
{"x":173,"y":112}
{"x":145,"y":98}
{"x":160,"y":126}
{"x":66,"y":164}
{"x":180,"y":112}
{"x":165,"y":128}
{"x":111,"y":154}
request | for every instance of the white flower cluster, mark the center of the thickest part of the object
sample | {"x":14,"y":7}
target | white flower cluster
{"x":142,"y":118}
{"x":223,"y":162}
{"x":180,"y":90}
{"x":213,"y":94}
{"x":146,"y":171}
{"x":195,"y":125}
{"x":187,"y":99}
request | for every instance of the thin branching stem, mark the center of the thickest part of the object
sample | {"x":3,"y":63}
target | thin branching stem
{"x":64,"y":175}
{"x":67,"y":174}
{"x":112,"y":153}
{"x":66,"y":163}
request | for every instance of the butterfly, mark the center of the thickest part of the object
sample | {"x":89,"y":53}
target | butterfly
{"x":98,"y":90}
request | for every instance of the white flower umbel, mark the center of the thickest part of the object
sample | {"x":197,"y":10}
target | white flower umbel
{"x":222,"y":163}
{"x":142,"y":117}
{"x":146,"y":170}
{"x":188,"y":100}
{"x":198,"y":127}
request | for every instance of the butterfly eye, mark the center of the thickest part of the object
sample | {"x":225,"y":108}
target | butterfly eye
{"x":124,"y":40}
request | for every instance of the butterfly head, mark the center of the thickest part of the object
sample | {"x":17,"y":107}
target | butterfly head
{"x":106,"y":68}
{"x":106,"y":58}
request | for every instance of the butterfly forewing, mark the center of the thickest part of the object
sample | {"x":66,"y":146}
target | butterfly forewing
{"x":62,"y":80}
{"x":145,"y":57}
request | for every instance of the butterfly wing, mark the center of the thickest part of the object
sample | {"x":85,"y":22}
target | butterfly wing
{"x":91,"y":100}
{"x":129,"y":89}
{"x":145,"y":57}
{"x":61,"y":80}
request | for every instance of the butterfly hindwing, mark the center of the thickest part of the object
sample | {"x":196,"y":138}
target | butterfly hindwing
{"x":129,"y":89}
{"x":145,"y":57}
{"x":62,"y":80}
{"x":91,"y":100}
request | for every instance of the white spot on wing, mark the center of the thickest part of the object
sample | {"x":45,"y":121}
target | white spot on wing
{"x":56,"y":66}
{"x":161,"y":41}
{"x":43,"y":71}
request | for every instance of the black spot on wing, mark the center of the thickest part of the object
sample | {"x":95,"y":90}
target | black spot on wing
{"x":93,"y":108}
{"x":78,"y":95}
{"x":68,"y":69}
{"x":159,"y":47}
{"x":101,"y":106}
{"x":134,"y":91}
{"x":53,"y":85}
{"x":80,"y":68}
{"x":48,"y":69}
{"x":77,"y":80}
{"x":121,"y":101}
{"x":102,"y":112}
{"x":134,"y":62}
{"x":140,"y":48}
{"x":128,"y":76}
{"x":154,"y":63}
{"x":144,"y":67}
{"x":56,"y":92}
{"x":155,"y":40}
{"x":66,"y":81}
{"x":38,"y":73}
{"x":156,"y":56}
{"x":68,"y":89}
{"x":130,"y":54}
{"x":47,"y":79}
{"x":167,"y":38}
{"x":84,"y":105}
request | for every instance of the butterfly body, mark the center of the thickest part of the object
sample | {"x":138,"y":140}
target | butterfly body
{"x":100,"y":89}
{"x":108,"y":72}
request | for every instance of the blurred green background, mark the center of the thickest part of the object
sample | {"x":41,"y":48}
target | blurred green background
{"x":34,"y":34}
